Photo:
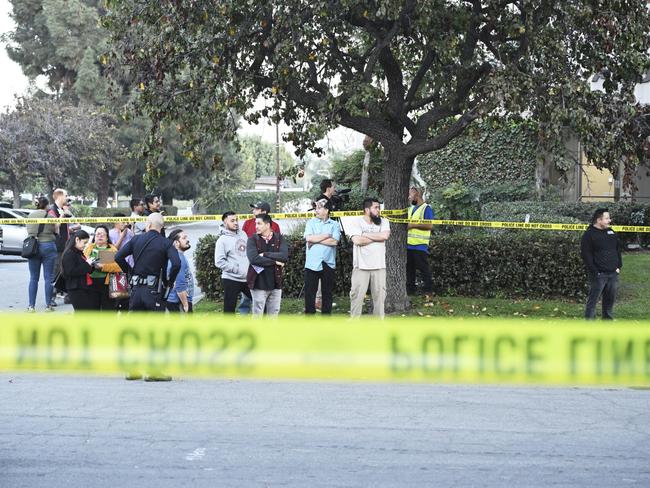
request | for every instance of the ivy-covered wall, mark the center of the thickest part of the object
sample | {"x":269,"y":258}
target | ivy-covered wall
{"x":490,"y":152}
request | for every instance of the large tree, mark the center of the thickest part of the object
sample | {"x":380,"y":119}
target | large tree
{"x":60,"y":143}
{"x":411,"y":75}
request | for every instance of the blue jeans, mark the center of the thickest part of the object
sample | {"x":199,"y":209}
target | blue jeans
{"x":245,"y":305}
{"x":47,"y":258}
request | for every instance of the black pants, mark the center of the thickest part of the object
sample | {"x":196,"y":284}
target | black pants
{"x":81,"y":299}
{"x":231,"y":290}
{"x":604,"y":284}
{"x":144,"y":298}
{"x":326,"y":277}
{"x":99,"y":295}
{"x":178,"y":307}
{"x":418,"y":261}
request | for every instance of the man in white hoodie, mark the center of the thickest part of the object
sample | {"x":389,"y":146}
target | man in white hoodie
{"x":230,"y":257}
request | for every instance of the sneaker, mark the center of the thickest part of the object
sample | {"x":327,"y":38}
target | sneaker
{"x":53,"y":303}
{"x":31,"y":309}
{"x":49,"y":308}
{"x":133,"y":376}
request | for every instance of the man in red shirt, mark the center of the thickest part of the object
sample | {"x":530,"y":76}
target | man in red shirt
{"x":258,"y":209}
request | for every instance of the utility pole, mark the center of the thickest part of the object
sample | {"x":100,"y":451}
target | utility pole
{"x":277,"y":168}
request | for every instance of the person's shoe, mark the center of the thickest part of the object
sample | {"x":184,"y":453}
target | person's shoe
{"x":49,"y":308}
{"x":157,"y":377}
{"x":31,"y":309}
{"x":133,"y":376}
{"x":53,"y":303}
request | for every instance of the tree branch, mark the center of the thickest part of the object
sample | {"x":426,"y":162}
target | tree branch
{"x":421,"y":146}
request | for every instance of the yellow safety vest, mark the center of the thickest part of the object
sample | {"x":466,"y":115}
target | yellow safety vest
{"x":417,"y":237}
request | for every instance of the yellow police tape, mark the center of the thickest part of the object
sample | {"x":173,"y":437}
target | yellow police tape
{"x":305,"y":215}
{"x":181,"y":218}
{"x":398,"y":349}
{"x":518,"y":225}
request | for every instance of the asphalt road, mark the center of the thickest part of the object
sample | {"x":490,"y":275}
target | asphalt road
{"x":107,"y":432}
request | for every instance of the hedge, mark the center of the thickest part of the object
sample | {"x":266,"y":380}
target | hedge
{"x":622,"y":213}
{"x":477,"y":264}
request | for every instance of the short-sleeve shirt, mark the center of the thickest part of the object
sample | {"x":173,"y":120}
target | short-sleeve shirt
{"x":372,"y":256}
{"x":317,"y":254}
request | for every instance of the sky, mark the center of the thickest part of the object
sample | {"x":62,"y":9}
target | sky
{"x":13,"y":82}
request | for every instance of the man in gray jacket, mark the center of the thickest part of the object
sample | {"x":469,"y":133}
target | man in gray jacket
{"x":230,"y":257}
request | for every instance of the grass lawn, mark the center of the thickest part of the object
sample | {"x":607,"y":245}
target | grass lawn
{"x":633,"y":300}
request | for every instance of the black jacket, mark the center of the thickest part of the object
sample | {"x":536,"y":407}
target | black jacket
{"x":275,"y":250}
{"x":75,"y":269}
{"x":150,"y":251}
{"x":64,"y":232}
{"x":601,"y":250}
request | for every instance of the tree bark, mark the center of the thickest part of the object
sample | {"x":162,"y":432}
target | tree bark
{"x":16,"y":191}
{"x":397,"y":175}
{"x":542,"y":174}
{"x":137,"y":186}
{"x":103,"y":189}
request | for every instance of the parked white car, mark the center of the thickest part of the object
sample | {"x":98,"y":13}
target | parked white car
{"x":13,"y":235}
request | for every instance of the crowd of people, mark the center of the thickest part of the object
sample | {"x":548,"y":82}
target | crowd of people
{"x":136,"y":267}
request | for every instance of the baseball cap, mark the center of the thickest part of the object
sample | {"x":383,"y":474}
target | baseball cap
{"x":262,"y":206}
{"x":323,"y":202}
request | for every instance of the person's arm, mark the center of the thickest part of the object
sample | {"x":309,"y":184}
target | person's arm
{"x":172,"y":256}
{"x":282,"y":255}
{"x":181,"y":285}
{"x":120,"y":257}
{"x":335,"y":236}
{"x":378,"y":236}
{"x":75,"y":266}
{"x":586,"y":251}
{"x":620,"y":256}
{"x":254,"y":257}
{"x":122,"y":236}
{"x":318,"y":238}
{"x":221,"y":258}
{"x":361,"y":240}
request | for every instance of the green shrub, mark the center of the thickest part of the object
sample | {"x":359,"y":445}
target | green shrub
{"x":476,"y":264}
{"x":622,"y":213}
{"x":208,"y":276}
{"x":508,"y":265}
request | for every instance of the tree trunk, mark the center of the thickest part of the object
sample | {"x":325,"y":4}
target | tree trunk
{"x":103,"y":189}
{"x":397,"y":175}
{"x":364,"y":172}
{"x":137,"y":186}
{"x":542,"y":174}
{"x":16,"y":191}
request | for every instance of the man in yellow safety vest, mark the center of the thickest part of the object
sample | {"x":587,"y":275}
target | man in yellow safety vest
{"x":417,"y":254}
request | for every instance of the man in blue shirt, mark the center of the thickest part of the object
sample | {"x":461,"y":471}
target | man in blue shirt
{"x":180,"y":298}
{"x":322,"y":234}
{"x":417,"y":253}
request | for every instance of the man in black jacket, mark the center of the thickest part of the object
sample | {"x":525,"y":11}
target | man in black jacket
{"x":151,"y":252}
{"x":601,"y":253}
{"x":267,"y":253}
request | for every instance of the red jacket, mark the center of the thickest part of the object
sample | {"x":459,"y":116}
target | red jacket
{"x":249,"y":227}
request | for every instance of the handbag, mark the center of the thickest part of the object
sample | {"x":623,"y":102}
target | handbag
{"x":118,"y":286}
{"x":59,"y":283}
{"x":30,"y":244}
